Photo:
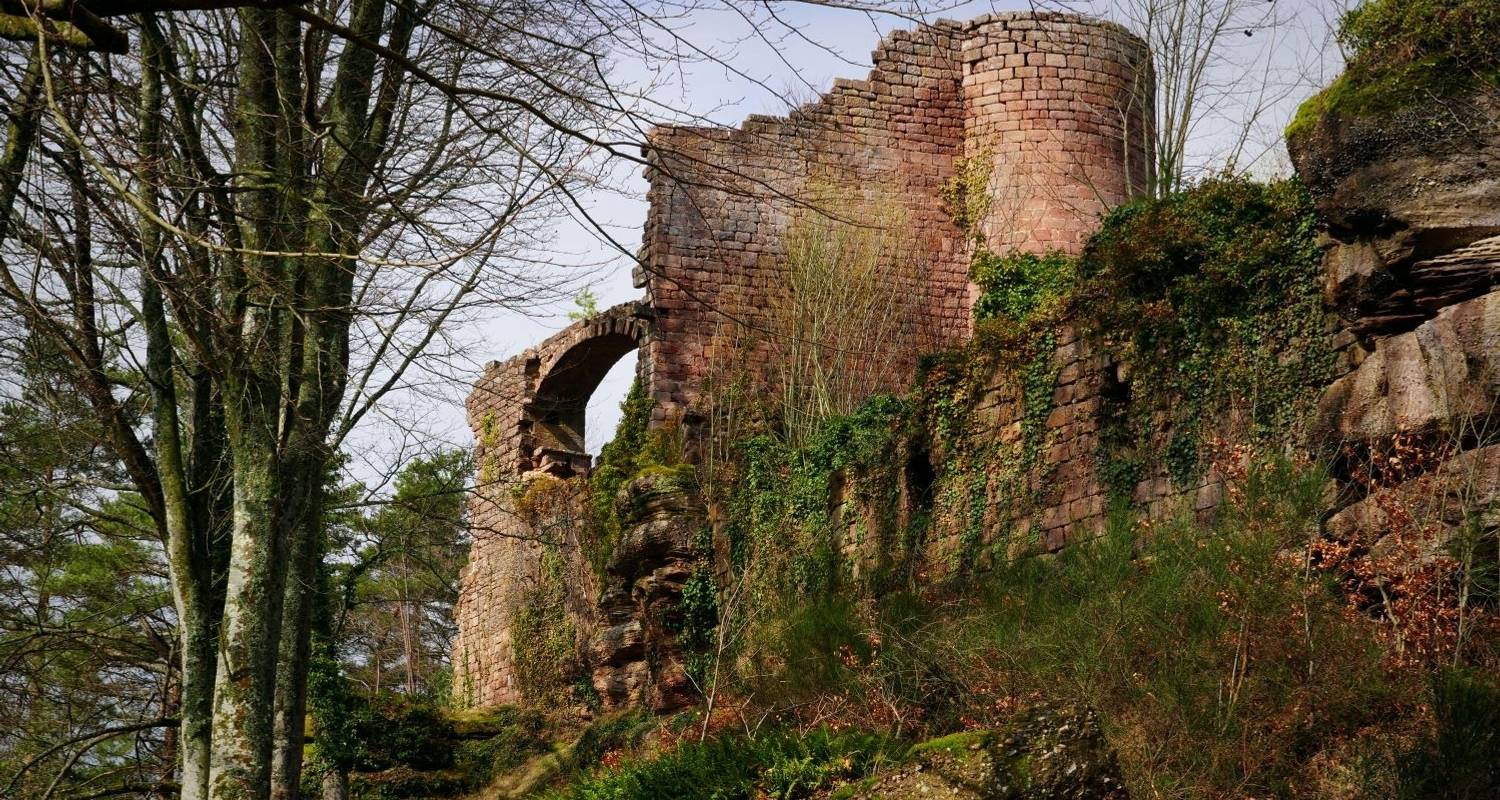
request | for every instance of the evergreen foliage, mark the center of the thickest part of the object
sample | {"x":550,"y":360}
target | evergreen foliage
{"x":1015,"y":286}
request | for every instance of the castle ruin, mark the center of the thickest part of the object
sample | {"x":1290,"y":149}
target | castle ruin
{"x":1058,"y":106}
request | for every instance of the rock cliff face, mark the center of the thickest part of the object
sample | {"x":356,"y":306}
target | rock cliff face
{"x":1412,"y":209}
{"x":635,"y":656}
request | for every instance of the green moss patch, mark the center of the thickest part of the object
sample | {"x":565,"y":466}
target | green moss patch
{"x":1407,"y":53}
{"x":954,"y":743}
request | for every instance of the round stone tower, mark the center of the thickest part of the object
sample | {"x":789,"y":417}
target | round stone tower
{"x":1063,"y":104}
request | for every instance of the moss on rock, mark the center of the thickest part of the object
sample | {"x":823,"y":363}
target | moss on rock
{"x":1044,"y":754}
{"x":1405,"y":54}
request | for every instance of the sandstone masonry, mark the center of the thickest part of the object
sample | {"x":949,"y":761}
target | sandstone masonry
{"x":1059,"y":105}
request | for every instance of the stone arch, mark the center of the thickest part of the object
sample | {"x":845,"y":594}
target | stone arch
{"x":564,"y":372}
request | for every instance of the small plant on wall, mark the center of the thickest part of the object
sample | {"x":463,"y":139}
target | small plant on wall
{"x":840,"y":325}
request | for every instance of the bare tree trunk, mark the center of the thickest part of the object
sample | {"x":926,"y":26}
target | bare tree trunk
{"x":250,"y":637}
{"x":296,"y":645}
{"x":188,"y":564}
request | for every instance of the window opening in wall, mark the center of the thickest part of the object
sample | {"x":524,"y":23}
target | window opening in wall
{"x":560,"y":411}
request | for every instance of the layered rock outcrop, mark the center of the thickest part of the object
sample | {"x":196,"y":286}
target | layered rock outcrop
{"x":634,"y":652}
{"x":1412,"y":208}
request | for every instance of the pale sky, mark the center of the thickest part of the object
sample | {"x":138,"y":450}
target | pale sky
{"x":828,"y":43}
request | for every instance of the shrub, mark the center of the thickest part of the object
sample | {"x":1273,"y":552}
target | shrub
{"x":515,"y":736}
{"x":1212,"y":298}
{"x":1461,"y":759}
{"x":395,"y":732}
{"x":615,"y":732}
{"x":1218,"y":662}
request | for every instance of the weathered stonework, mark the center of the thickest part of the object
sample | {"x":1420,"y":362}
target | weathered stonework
{"x":1059,"y":105}
{"x":527,"y":417}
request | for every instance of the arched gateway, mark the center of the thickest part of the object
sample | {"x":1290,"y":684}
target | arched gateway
{"x":568,"y":368}
{"x":528,"y":414}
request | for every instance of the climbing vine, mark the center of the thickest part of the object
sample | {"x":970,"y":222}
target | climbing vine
{"x":966,"y":196}
{"x":698,"y":622}
{"x":1210,"y":302}
{"x":781,"y":509}
{"x":635,"y":448}
{"x":543,"y":638}
{"x":1018,"y":286}
{"x":987,"y":478}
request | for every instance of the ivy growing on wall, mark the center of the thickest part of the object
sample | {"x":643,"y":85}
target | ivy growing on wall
{"x":781,"y":510}
{"x":966,"y":196}
{"x":986,"y":479}
{"x":1210,"y":300}
{"x":1017,"y":287}
{"x":698,"y":622}
{"x":543,"y":638}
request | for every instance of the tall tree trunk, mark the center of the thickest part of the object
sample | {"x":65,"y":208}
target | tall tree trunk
{"x":20,"y":133}
{"x":244,"y":692}
{"x":296,"y":634}
{"x":191,"y":574}
{"x":331,"y":216}
{"x":252,"y":387}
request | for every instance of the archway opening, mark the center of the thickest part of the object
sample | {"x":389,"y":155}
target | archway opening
{"x":569,"y":395}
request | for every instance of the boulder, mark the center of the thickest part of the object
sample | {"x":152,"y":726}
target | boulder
{"x":1411,"y":205}
{"x":1439,"y":502}
{"x":1442,"y":376}
{"x":1430,"y":170}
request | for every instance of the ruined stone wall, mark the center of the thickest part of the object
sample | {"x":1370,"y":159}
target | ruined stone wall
{"x":527,"y":421}
{"x":1065,"y":496}
{"x":1058,"y":105}
{"x":1064,"y":108}
{"x":715,"y":239}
